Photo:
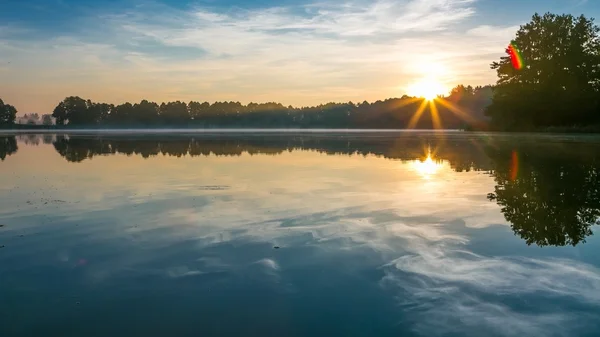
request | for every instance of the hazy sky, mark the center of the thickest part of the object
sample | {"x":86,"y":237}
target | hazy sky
{"x":298,"y":52}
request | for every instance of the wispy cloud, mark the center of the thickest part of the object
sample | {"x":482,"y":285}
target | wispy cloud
{"x":303,"y":54}
{"x":457,"y":291}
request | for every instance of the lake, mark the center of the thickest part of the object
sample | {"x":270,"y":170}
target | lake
{"x":299,"y":234}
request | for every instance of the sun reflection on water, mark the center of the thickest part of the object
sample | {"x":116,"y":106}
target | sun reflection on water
{"x":427,"y":167}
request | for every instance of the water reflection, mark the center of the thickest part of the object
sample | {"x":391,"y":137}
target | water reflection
{"x":549,"y":193}
{"x":463,"y":153}
{"x":377,"y":236}
{"x":547,"y":188}
{"x":427,"y":167}
{"x":8,"y":146}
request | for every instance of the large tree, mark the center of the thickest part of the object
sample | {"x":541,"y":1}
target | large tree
{"x":8,"y":114}
{"x":75,"y":110}
{"x":559,"y":82}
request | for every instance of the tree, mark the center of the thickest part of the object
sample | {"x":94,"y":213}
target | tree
{"x":560,"y":81}
{"x":8,"y":114}
{"x":174,"y":113}
{"x":47,"y":119}
{"x":145,"y":112}
{"x":197,"y":109}
{"x":75,"y":110}
{"x":32,"y":119}
{"x":60,"y":113}
{"x":121,"y":114}
{"x":97,"y":112}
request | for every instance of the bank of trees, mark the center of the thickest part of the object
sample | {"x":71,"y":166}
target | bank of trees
{"x":559,"y":83}
{"x":391,"y":113}
{"x":462,"y":107}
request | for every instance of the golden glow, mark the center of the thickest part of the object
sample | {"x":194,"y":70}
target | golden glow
{"x":428,"y":167}
{"x":435,"y":116}
{"x":417,"y":115}
{"x":428,"y":88}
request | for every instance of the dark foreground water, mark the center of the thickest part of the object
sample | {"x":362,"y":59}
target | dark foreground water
{"x":407,"y":234}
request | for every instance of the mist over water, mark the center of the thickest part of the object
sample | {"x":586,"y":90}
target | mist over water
{"x":299,"y":233}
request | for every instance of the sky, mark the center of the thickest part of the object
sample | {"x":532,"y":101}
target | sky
{"x":298,"y":52}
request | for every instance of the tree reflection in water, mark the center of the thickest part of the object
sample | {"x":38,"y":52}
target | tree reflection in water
{"x":548,"y":188}
{"x":550,"y":193}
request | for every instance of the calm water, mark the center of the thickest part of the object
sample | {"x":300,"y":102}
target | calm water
{"x":391,"y":234}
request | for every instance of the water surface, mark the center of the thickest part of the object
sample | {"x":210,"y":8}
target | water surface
{"x":299,"y":234}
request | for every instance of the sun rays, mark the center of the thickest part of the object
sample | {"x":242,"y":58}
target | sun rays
{"x":436,"y":120}
{"x":429,"y":91}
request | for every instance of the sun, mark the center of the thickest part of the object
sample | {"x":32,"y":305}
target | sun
{"x":427,"y":88}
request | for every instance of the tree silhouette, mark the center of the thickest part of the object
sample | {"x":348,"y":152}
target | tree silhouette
{"x":47,"y":119}
{"x":466,"y":106}
{"x":8,"y":114}
{"x":560,"y":81}
{"x":145,"y":113}
{"x":60,"y":114}
{"x":548,"y":192}
{"x":174,"y":113}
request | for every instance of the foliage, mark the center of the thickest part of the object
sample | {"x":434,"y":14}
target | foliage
{"x":31,"y":119}
{"x":390,"y":113}
{"x":47,"y":119}
{"x":560,"y":82}
{"x":8,"y":114}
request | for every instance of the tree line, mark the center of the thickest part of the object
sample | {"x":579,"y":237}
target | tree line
{"x":464,"y":107}
{"x":390,"y":113}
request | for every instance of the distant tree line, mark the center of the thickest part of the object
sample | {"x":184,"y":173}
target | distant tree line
{"x":391,"y":113}
{"x":463,"y":107}
{"x":35,"y":119}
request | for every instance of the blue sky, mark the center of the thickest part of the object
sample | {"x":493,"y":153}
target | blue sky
{"x":291,"y":51}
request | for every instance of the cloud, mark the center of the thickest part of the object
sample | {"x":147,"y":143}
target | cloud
{"x":519,"y":275}
{"x":457,"y":291}
{"x":499,"y":33}
{"x":464,"y":316}
{"x":268,"y":263}
{"x":301,"y":55}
